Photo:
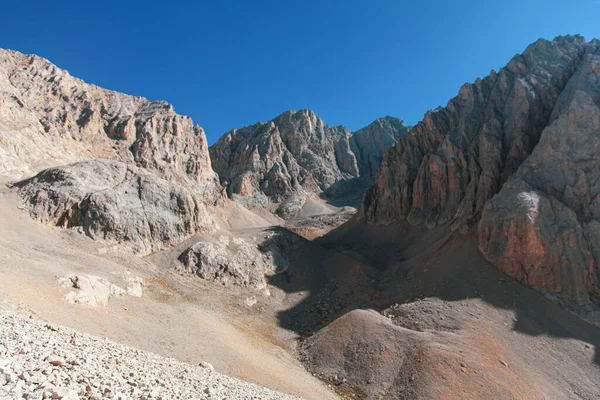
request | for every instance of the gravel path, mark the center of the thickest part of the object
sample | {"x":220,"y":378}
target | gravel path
{"x":43,"y":361}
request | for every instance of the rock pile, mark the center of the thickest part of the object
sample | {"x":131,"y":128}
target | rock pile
{"x":43,"y":361}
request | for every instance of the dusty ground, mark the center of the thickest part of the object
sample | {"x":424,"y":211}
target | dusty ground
{"x":181,"y":317}
{"x":445,"y":324}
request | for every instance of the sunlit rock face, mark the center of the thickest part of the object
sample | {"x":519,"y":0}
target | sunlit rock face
{"x":297,"y":154}
{"x":113,"y":166}
{"x":48,"y":118}
{"x":514,"y":157}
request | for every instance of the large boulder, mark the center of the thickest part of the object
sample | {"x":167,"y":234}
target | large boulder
{"x":227,"y":261}
{"x":110,"y":200}
{"x":236,"y":261}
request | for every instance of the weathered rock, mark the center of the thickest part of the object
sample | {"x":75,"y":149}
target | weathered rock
{"x":459,"y":156}
{"x":290,"y":206}
{"x":227,"y":261}
{"x":235,"y":261}
{"x":90,"y":290}
{"x":528,"y":135}
{"x":296,"y":154}
{"x":543,"y":226}
{"x":48,"y":118}
{"x":114,"y":201}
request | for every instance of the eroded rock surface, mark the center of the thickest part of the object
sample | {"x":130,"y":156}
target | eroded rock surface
{"x":110,"y":200}
{"x":543,"y":227}
{"x":236,"y":261}
{"x":515,"y":152}
{"x":227,"y":261}
{"x":459,"y":156}
{"x":48,"y":118}
{"x":296,"y":154}
{"x":93,"y":291}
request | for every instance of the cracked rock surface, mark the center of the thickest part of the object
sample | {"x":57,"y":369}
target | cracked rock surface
{"x":110,"y":200}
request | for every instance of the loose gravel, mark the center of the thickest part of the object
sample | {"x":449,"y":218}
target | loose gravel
{"x":43,"y":361}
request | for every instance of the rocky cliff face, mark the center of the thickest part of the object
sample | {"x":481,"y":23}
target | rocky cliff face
{"x":113,"y":201}
{"x":137,"y":172}
{"x":297,"y":154}
{"x":370,"y":143}
{"x":515,"y":153}
{"x":48,"y":117}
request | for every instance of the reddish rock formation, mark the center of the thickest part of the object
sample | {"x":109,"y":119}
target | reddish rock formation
{"x":544,"y":225}
{"x":516,"y":151}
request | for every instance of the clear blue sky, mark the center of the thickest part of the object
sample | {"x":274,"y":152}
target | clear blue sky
{"x":232,"y":63}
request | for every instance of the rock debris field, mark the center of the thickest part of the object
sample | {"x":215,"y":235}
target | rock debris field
{"x":43,"y":361}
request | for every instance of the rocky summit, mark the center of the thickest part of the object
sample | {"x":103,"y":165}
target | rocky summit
{"x":138,"y":262}
{"x":297,"y":155}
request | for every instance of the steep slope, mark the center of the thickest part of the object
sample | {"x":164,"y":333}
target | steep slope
{"x":533,"y":124}
{"x":370,"y":143}
{"x":297,"y":154}
{"x":151,"y":190}
{"x":543,"y":227}
{"x":48,"y":118}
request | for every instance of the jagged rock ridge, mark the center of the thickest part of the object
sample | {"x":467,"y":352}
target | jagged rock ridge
{"x":296,"y":153}
{"x":516,"y":153}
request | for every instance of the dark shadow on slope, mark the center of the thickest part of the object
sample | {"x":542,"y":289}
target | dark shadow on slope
{"x":361,"y":266}
{"x":347,"y":192}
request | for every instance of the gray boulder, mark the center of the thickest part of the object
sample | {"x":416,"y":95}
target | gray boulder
{"x":114,"y":201}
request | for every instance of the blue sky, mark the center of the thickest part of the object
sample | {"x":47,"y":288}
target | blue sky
{"x":228,"y":63}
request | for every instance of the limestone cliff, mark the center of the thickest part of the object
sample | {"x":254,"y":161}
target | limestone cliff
{"x":118,"y":167}
{"x":48,"y":118}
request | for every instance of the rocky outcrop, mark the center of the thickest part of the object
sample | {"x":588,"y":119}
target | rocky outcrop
{"x":543,"y":227}
{"x":297,"y":154}
{"x":48,"y":118}
{"x":370,"y":143}
{"x":515,"y":152}
{"x":110,"y":200}
{"x":235,"y":261}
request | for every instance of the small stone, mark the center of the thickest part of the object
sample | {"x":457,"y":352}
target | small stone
{"x":57,"y":362}
{"x":210,"y":390}
{"x":206,"y":365}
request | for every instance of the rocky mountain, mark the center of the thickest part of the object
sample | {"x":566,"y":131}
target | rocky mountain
{"x":48,"y":118}
{"x":298,"y":154}
{"x":123,"y":168}
{"x":513,"y":158}
{"x":410,"y":299}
